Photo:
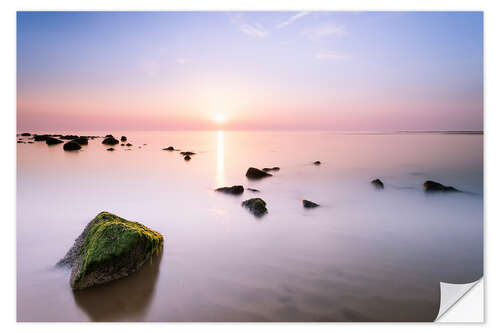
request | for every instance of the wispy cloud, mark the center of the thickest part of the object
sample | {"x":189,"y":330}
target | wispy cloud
{"x":291,"y":19}
{"x":255,"y":29}
{"x":251,"y":29}
{"x":181,"y":61}
{"x":329,"y":55}
{"x":324,"y":30}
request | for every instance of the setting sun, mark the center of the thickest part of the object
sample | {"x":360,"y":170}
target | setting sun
{"x":219,"y":118}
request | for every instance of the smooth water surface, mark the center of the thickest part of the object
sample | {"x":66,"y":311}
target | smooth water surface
{"x":363,"y":255}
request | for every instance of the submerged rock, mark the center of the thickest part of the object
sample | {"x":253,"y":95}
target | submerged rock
{"x":110,"y":248}
{"x":317,"y":163}
{"x":128,"y":144}
{"x":252,"y":189}
{"x":69,"y":137}
{"x":236,"y":189}
{"x":254,"y":173}
{"x":26,"y":134}
{"x":256,"y":205}
{"x":53,"y":141}
{"x":431,"y":186}
{"x":123,"y":138}
{"x":72,"y":145}
{"x":82,"y":140}
{"x":309,"y":204}
{"x":187,"y":153}
{"x":110,"y":149}
{"x":271,"y":169}
{"x":378,"y":184}
{"x":186,"y":158}
{"x":110,"y":140}
{"x":169,"y":148}
{"x":40,"y":137}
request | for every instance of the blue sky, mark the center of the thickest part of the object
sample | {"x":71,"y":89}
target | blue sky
{"x":296,"y":70}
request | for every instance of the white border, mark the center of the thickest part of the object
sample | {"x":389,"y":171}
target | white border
{"x":7,"y":123}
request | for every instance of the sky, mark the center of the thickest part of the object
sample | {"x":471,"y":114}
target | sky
{"x":339,"y":71}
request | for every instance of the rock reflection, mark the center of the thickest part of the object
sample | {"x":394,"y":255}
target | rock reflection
{"x":127,"y":299}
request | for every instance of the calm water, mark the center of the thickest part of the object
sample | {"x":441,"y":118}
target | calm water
{"x":362,"y":255}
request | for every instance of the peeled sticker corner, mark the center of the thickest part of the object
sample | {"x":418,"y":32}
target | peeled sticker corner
{"x":451,"y":293}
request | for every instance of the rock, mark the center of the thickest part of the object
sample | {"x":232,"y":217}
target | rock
{"x":236,"y":189}
{"x":123,"y":138}
{"x":82,"y":140}
{"x":378,"y":184}
{"x":110,"y":248}
{"x":30,"y":141}
{"x":254,"y":173}
{"x":169,"y":148}
{"x":110,"y":140}
{"x":252,"y":189}
{"x":109,"y":136}
{"x":187,"y":153}
{"x":122,"y":144}
{"x":53,"y":141}
{"x":69,"y":137}
{"x":110,"y":149}
{"x":317,"y":163}
{"x":271,"y":169}
{"x":256,"y":205}
{"x":25,"y":134}
{"x":40,"y":137}
{"x":128,"y":144}
{"x":309,"y":204}
{"x":20,"y":141}
{"x":186,"y":158}
{"x":431,"y":186}
{"x":72,"y":145}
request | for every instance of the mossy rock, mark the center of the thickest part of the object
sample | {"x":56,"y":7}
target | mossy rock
{"x":256,"y":205}
{"x":110,"y":248}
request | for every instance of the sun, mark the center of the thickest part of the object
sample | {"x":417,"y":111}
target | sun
{"x":219,"y":118}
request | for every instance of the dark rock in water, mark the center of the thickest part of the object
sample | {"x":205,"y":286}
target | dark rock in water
{"x":128,"y":144}
{"x":109,"y":136}
{"x":252,"y":189}
{"x":317,"y":163}
{"x":123,"y":138}
{"x":82,"y":140}
{"x":53,"y":141}
{"x":25,"y":134}
{"x":378,"y":184}
{"x":309,"y":204}
{"x":69,"y":137}
{"x":109,"y":140}
{"x":186,"y":158}
{"x":170,"y":148}
{"x":271,"y":169}
{"x":122,"y":144}
{"x":110,"y":149}
{"x":187,"y":153}
{"x":254,"y":173}
{"x":431,"y":186}
{"x":40,"y":137}
{"x":30,"y":141}
{"x":236,"y":189}
{"x":20,"y":141}
{"x":72,"y":145}
{"x":110,"y":248}
{"x":256,"y":205}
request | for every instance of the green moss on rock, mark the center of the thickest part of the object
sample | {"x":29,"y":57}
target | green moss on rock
{"x":110,"y":248}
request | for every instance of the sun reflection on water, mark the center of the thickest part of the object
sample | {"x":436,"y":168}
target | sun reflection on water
{"x":220,"y":159}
